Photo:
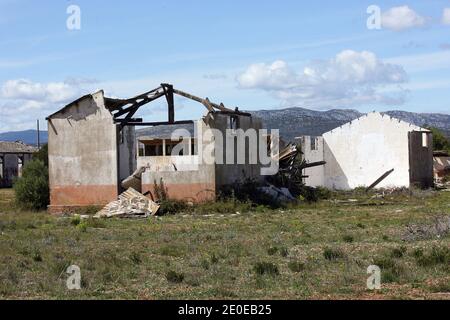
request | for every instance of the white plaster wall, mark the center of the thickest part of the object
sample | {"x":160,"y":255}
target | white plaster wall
{"x":315,"y":175}
{"x":359,"y":152}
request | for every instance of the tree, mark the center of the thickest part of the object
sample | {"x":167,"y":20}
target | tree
{"x":42,"y":154}
{"x":440,"y":141}
{"x":32,"y":189}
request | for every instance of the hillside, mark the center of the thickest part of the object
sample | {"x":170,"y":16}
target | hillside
{"x":292,"y":123}
{"x":27,"y":136}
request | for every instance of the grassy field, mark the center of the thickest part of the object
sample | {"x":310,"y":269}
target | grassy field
{"x":312,"y":251}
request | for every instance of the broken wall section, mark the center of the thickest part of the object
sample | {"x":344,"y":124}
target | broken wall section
{"x":184,"y":177}
{"x":83,"y":155}
{"x":312,"y":149}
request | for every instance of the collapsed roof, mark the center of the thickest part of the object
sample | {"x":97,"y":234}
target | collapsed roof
{"x":123,"y":110}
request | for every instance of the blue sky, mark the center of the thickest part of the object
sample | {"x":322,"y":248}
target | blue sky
{"x":250,"y":54}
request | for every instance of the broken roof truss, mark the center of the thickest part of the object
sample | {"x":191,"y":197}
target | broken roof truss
{"x":123,"y":110}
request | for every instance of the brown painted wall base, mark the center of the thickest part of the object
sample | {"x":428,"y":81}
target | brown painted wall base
{"x":194,"y":192}
{"x":82,"y":195}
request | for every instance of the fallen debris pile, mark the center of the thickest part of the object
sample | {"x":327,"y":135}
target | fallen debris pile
{"x":278,"y":194}
{"x":290,"y":175}
{"x":131,"y":204}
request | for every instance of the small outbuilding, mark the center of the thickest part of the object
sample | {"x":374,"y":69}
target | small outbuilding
{"x":13,"y":156}
{"x":374,"y":148}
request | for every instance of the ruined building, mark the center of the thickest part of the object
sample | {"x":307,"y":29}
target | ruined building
{"x":13,"y":156}
{"x":373,"y":148}
{"x":93,"y":147}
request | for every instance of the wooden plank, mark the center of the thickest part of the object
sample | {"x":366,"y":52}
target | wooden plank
{"x":378,"y":181}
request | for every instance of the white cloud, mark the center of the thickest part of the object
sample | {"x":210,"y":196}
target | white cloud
{"x":23,"y":101}
{"x":446,"y":16}
{"x":23,"y":89}
{"x":401,"y":18}
{"x":350,"y":78}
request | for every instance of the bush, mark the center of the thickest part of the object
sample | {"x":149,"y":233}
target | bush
{"x":171,"y":206}
{"x":82,"y":226}
{"x":391,"y":271}
{"x":296,"y":266}
{"x":440,"y":141}
{"x":76,"y":220}
{"x":348,"y":238}
{"x":32,"y":190}
{"x":174,"y":277}
{"x":42,"y":155}
{"x":398,"y":252}
{"x":438,"y":255}
{"x":268,"y":268}
{"x":333,"y":254}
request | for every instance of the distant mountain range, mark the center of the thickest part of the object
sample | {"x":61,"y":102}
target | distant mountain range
{"x":292,"y":123}
{"x":27,"y":136}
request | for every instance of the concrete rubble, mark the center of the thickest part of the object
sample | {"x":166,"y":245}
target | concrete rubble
{"x":131,"y":204}
{"x":278,"y":194}
{"x":134,"y":181}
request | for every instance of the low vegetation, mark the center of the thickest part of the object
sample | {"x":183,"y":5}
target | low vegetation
{"x":231,"y":250}
{"x":32,"y":189}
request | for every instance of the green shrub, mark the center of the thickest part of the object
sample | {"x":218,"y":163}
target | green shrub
{"x":398,"y":252}
{"x":171,"y":206}
{"x":348,"y":238}
{"x":438,"y":255}
{"x":42,"y":155}
{"x":391,"y":271}
{"x":214,"y":259}
{"x":32,"y":190}
{"x":135,"y":257}
{"x":82,"y":226}
{"x":272,"y":250}
{"x":174,"y":277}
{"x":296,"y":266}
{"x":37,"y":256}
{"x":268,"y":268}
{"x":333,"y":254}
{"x":75,"y":220}
{"x":284,"y":252}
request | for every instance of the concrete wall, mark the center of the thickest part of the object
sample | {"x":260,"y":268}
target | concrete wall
{"x":360,"y":152}
{"x":184,"y":177}
{"x":127,"y":152}
{"x":316,"y":175}
{"x":421,"y":159}
{"x":198,"y":178}
{"x":227,"y":174}
{"x":83,"y":157}
{"x":9,"y":170}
